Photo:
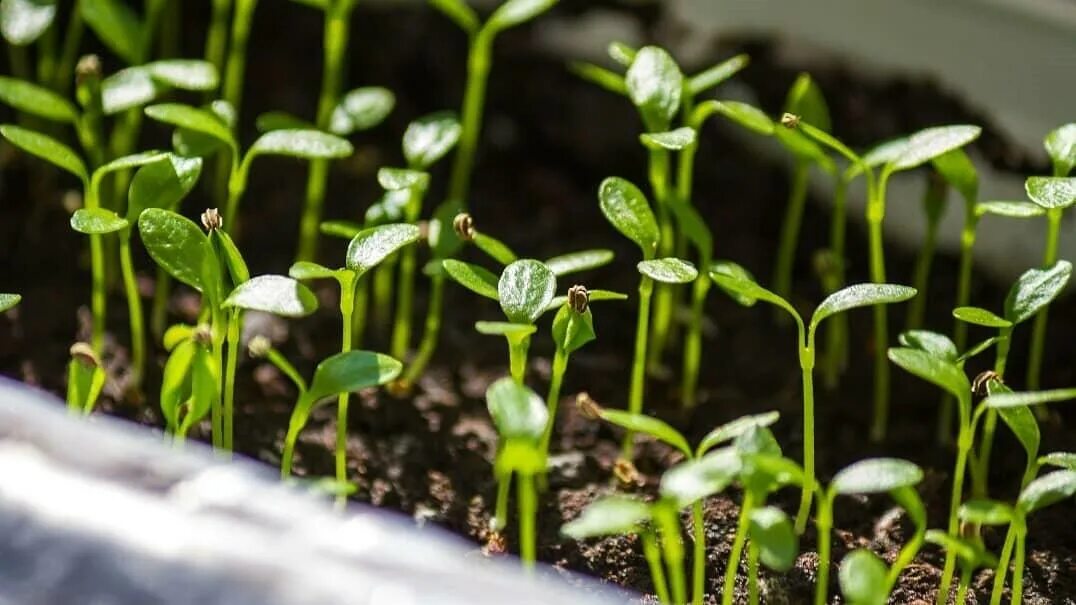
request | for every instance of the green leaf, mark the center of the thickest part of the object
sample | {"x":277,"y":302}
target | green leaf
{"x":669,"y":270}
{"x":307,"y":270}
{"x":627,"y":209}
{"x":373,"y":245}
{"x":655,"y":85}
{"x":717,"y":74}
{"x":571,"y":330}
{"x":971,"y":553}
{"x":942,"y":373}
{"x":394,"y":179}
{"x":175,"y":243}
{"x":162,"y":184}
{"x":608,"y":516}
{"x":672,"y":140}
{"x":957,"y":169}
{"x":474,"y":278}
{"x":205,"y":386}
{"x":117,"y":26}
{"x":860,"y":295}
{"x":735,"y":428}
{"x":980,"y":317}
{"x":756,"y":441}
{"x":510,"y":330}
{"x":46,"y":148}
{"x":611,"y":81}
{"x":1046,"y":490}
{"x":23,"y":21}
{"x":1008,"y":400}
{"x":515,"y":12}
{"x":176,"y":381}
{"x":736,"y":281}
{"x":185,"y":74}
{"x":1066,"y":460}
{"x":459,"y":12}
{"x":276,"y":294}
{"x":806,"y":100}
{"x":748,"y":116}
{"x":362,"y":109}
{"x":8,"y":301}
{"x":693,"y":227}
{"x":883,"y":153}
{"x":1060,"y":145}
{"x":193,"y":143}
{"x":97,"y":221}
{"x":135,"y":160}
{"x":861,"y":576}
{"x":978,"y":348}
{"x":875,"y":476}
{"x":1010,"y":209}
{"x":937,"y":345}
{"x":1036,"y":289}
{"x":30,"y":98}
{"x":517,"y":412}
{"x":575,"y":262}
{"x":525,"y":289}
{"x":1051,"y":192}
{"x":1020,"y":420}
{"x":128,"y":88}
{"x":282,"y":120}
{"x":693,"y":480}
{"x":930,"y":143}
{"x":307,"y":144}
{"x":430,"y":137}
{"x":494,"y":248}
{"x":648,"y":425}
{"x":772,"y":531}
{"x":191,"y":118}
{"x":349,"y":372}
{"x":985,"y":512}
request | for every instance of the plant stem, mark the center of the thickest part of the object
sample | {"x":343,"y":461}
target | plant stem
{"x":347,"y":308}
{"x":1002,"y":570}
{"x":500,"y":511}
{"x":219,"y":336}
{"x":962,"y":587}
{"x":560,"y":364}
{"x":65,"y":65}
{"x":134,"y":312}
{"x":236,"y":65}
{"x":875,"y":217}
{"x":401,"y":328}
{"x":1018,"y":567}
{"x":46,"y":55}
{"x":669,"y":524}
{"x":337,"y":31}
{"x":517,"y":357}
{"x":698,"y":561}
{"x":921,"y":277}
{"x":824,"y":522}
{"x":638,"y":364}
{"x":430,"y":333}
{"x":663,"y":299}
{"x":964,"y":444}
{"x":216,"y":41}
{"x":836,"y":349}
{"x":963,"y":297}
{"x":728,"y":591}
{"x":752,"y":573}
{"x":98,"y":299}
{"x":528,"y":512}
{"x":904,"y":558}
{"x":479,"y":59}
{"x":790,"y":230}
{"x":657,"y":572}
{"x":980,"y":476}
{"x":1038,"y":334}
{"x":689,"y":380}
{"x":383,"y":287}
{"x":235,"y":322}
{"x":806,"y":493}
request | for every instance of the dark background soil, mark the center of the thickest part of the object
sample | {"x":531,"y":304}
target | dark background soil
{"x":549,"y":140}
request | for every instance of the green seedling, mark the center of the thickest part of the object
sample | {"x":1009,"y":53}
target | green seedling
{"x":521,"y":419}
{"x":85,"y":379}
{"x":971,"y":554}
{"x":687,"y":484}
{"x":864,"y":578}
{"x":9,"y":301}
{"x":1055,"y":194}
{"x":1030,"y":295}
{"x":738,"y":283}
{"x":369,"y":248}
{"x":191,"y":381}
{"x":627,"y":209}
{"x":935,"y":196}
{"x":299,"y":143}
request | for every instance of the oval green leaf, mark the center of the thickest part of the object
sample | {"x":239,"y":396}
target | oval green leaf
{"x":117,"y":26}
{"x":937,"y":345}
{"x":30,"y":98}
{"x":772,"y":531}
{"x":1060,"y":145}
{"x":175,"y":243}
{"x":162,"y":184}
{"x":672,"y":140}
{"x":805,"y":99}
{"x":395,"y":179}
{"x":985,"y":512}
{"x":738,"y":283}
{"x":351,"y":371}
{"x":860,"y":295}
{"x":191,"y":118}
{"x":276,"y":294}
{"x":515,"y":12}
{"x":185,"y":74}
{"x":576,"y":262}
{"x":46,"y":148}
{"x":1066,"y":460}
{"x":1024,"y":399}
{"x":1035,"y":289}
{"x":8,"y":301}
{"x":930,"y":143}
{"x":97,"y":221}
{"x":429,"y":138}
{"x":957,"y":169}
{"x":647,"y":425}
{"x":517,"y":411}
{"x":1048,"y":489}
{"x":299,"y":143}
{"x":609,"y":516}
{"x":980,"y":317}
{"x":1051,"y":192}
{"x":861,"y":577}
{"x":1009,"y":209}
{"x":876,"y":475}
{"x":733,"y":429}
{"x":373,"y":245}
{"x":525,"y":290}
{"x":746,"y":115}
{"x":939,"y":372}
{"x":669,"y":270}
{"x":655,"y":85}
{"x":717,"y":74}
{"x":474,"y":278}
{"x":626,"y":208}
{"x":23,"y":21}
{"x":693,"y":480}
{"x":510,"y":330}
{"x":128,"y":88}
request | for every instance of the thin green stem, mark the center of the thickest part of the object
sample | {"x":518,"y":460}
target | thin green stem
{"x":824,"y":522}
{"x":673,"y":549}
{"x":729,"y":589}
{"x":980,"y":475}
{"x":875,"y":218}
{"x":638,"y":364}
{"x":962,"y":588}
{"x":500,"y":510}
{"x":219,"y":336}
{"x":479,"y":60}
{"x":358,"y":318}
{"x":663,"y":297}
{"x":1038,"y":334}
{"x":963,"y":298}
{"x":235,"y":321}
{"x":401,"y":329}
{"x":64,"y":74}
{"x":46,"y":55}
{"x":807,"y":491}
{"x":836,"y":348}
{"x":921,"y":277}
{"x":134,"y":313}
{"x":431,"y":332}
{"x":384,"y":286}
{"x":236,"y":65}
{"x":689,"y":379}
{"x":517,"y":357}
{"x":1018,"y":568}
{"x":752,"y":573}
{"x":657,"y":572}
{"x":347,"y":309}
{"x":1002,"y":570}
{"x":964,"y":444}
{"x":790,"y":230}
{"x":560,"y":365}
{"x":528,"y":513}
{"x":698,"y":561}
{"x":216,"y":42}
{"x":98,"y":294}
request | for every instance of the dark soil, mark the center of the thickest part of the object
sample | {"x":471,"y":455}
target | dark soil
{"x":549,"y":140}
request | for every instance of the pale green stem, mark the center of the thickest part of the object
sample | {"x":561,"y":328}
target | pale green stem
{"x":752,"y":573}
{"x":430,"y":333}
{"x":824,"y":522}
{"x":790,"y":230}
{"x":65,"y":65}
{"x":1018,"y":567}
{"x":875,"y":218}
{"x":134,"y":313}
{"x":698,"y":563}
{"x":964,"y":444}
{"x":729,"y":588}
{"x":162,"y":290}
{"x":216,"y":43}
{"x":347,"y":308}
{"x":517,"y":358}
{"x":663,"y":296}
{"x":1038,"y":334}
{"x":837,"y":332}
{"x":981,"y":474}
{"x":560,"y":364}
{"x":689,"y":379}
{"x":528,"y":513}
{"x":962,"y":588}
{"x":807,"y":491}
{"x":1002,"y":570}
{"x":963,"y":298}
{"x":657,"y":572}
{"x":921,"y":277}
{"x":235,"y":321}
{"x":638,"y":364}
{"x":500,"y":511}
{"x":669,"y":524}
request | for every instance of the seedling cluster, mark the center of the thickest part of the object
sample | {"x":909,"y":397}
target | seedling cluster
{"x":132,"y":199}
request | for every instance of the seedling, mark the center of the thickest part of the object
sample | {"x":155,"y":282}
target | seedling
{"x":1055,"y":194}
{"x":300,"y":143}
{"x":627,"y":209}
{"x":864,"y":578}
{"x":1030,"y":295}
{"x":971,"y":554}
{"x":521,"y":419}
{"x":9,"y":301}
{"x":85,"y":379}
{"x":935,"y":196}
{"x":191,"y":382}
{"x":689,"y":483}
{"x":739,"y":284}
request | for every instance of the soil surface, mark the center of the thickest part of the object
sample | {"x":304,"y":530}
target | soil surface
{"x":549,"y":140}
